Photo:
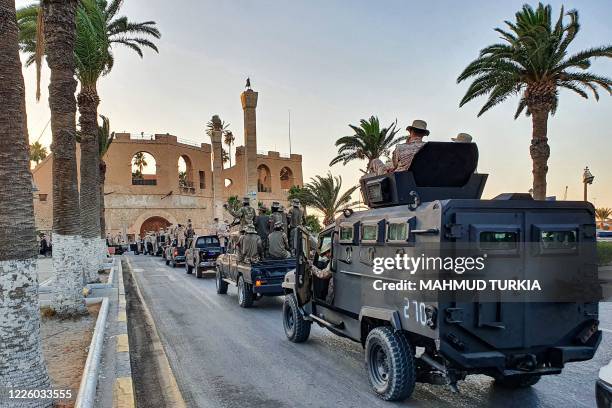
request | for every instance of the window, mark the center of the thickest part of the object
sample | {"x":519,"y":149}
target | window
{"x":202,"y":180}
{"x":369,"y":233}
{"x":205,"y":242}
{"x":286,"y":178}
{"x":144,"y":169}
{"x":263,"y":179}
{"x":498,"y":240}
{"x":558,"y":240}
{"x":397,"y":231}
{"x":346,"y":233}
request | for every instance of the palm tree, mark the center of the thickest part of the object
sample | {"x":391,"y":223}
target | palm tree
{"x":59,"y":33}
{"x":105,"y":138}
{"x":38,"y":152}
{"x":323,"y":194}
{"x":602,"y":214}
{"x":229,"y":139}
{"x":533,"y":63}
{"x":97,"y":30}
{"x":225,"y":156}
{"x":21,"y":358}
{"x":368,"y":142}
{"x":140,"y":161}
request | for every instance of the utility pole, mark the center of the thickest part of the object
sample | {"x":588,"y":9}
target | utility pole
{"x":289,"y":132}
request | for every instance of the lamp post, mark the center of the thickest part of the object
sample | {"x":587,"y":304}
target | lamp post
{"x":587,"y":178}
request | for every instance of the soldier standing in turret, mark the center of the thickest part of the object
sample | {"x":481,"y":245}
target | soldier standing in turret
{"x":246,"y":213}
{"x":296,"y":219}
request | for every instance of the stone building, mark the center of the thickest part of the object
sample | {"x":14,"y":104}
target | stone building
{"x":144,"y":202}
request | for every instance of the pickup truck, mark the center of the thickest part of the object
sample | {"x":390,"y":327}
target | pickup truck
{"x":254,"y":281}
{"x":202,"y":254}
{"x":175,"y":254}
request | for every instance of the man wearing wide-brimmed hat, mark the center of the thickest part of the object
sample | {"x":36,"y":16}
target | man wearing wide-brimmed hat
{"x":404,"y":153}
{"x":279,"y":245}
{"x":462,"y":138}
{"x":250,"y":245}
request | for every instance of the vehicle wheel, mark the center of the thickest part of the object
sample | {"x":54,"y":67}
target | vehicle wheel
{"x":245,"y":294}
{"x":220,"y":283}
{"x":517,"y":381}
{"x":167,"y":262}
{"x":188,"y":268}
{"x":173,"y":264}
{"x":390,"y":364}
{"x":198,"y":272}
{"x":297,"y":329}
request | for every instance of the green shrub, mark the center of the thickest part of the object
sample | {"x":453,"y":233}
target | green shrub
{"x":604,"y":253}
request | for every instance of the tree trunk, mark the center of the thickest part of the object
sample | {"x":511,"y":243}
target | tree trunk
{"x":540,"y":151}
{"x":21,"y":360}
{"x":102,"y":205}
{"x":60,"y":32}
{"x":88,"y":102}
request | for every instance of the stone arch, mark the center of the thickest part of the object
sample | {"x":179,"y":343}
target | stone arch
{"x":185,"y":171}
{"x":286,"y":178}
{"x":141,"y":164}
{"x":264,"y":179}
{"x":140,"y":220}
{"x":228,"y":182}
{"x":155,"y":223}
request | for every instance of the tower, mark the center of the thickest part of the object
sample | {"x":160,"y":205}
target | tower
{"x":249,"y":105}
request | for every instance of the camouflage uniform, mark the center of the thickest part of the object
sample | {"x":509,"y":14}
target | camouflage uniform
{"x":245,"y":213}
{"x":296,"y":219}
{"x":404,"y":154}
{"x":279,"y":245}
{"x":250,"y":248}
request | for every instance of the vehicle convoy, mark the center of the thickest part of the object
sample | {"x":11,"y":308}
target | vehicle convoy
{"x":440,"y":337}
{"x":255,"y":280}
{"x":175,"y":255}
{"x":202,"y":254}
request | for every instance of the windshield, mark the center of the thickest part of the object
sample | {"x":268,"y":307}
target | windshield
{"x":205,"y":242}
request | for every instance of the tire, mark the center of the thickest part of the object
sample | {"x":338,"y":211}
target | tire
{"x":517,"y":381}
{"x":198,"y":272}
{"x":390,"y":364}
{"x":245,"y":293}
{"x":220,"y":283}
{"x":167,"y":262}
{"x":297,"y":329}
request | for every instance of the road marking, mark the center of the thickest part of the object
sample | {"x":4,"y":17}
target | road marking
{"x":121,"y":316}
{"x":123,"y":393}
{"x":123,"y":345}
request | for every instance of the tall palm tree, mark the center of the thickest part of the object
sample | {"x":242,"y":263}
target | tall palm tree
{"x":140,"y":161}
{"x":229,"y":139}
{"x":59,"y":33}
{"x":323,"y":194}
{"x":38,"y":152}
{"x":533,"y":63}
{"x":369,"y":142}
{"x":21,"y":359}
{"x":98,"y":28}
{"x":105,"y":138}
{"x":602,"y":214}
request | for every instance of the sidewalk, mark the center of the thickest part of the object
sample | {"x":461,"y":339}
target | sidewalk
{"x":114,"y":382}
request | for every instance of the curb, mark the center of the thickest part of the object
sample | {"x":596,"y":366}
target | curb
{"x":109,"y":282}
{"x":123,"y":388}
{"x":89,"y":379}
{"x":169,"y":383}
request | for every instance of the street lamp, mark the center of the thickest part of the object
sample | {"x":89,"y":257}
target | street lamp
{"x":587,"y":178}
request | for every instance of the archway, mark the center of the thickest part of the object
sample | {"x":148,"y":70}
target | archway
{"x":185,"y":172}
{"x":144,"y":169}
{"x":286,"y":178}
{"x":154,"y":223}
{"x":263,"y":179}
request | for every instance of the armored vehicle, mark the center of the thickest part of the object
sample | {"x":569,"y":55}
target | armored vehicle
{"x":434,"y":336}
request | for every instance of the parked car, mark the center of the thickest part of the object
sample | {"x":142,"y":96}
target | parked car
{"x":175,"y":255}
{"x":254,"y":281}
{"x":603,"y":387}
{"x":438,"y":336}
{"x":604,"y":235}
{"x":202,"y":254}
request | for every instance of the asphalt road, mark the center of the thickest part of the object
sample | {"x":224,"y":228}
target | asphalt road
{"x":226,"y":356}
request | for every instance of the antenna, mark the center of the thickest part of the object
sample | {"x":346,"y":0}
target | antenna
{"x":289,"y":110}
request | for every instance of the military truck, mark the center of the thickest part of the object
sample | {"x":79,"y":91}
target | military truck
{"x":202,"y":254}
{"x":439,"y":337}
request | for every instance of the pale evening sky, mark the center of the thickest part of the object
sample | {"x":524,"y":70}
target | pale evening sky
{"x":335,"y":62}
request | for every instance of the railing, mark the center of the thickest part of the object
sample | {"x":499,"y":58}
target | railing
{"x":144,"y":182}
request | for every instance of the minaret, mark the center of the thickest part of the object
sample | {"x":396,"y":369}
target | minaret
{"x":249,"y":104}
{"x":218,"y":183}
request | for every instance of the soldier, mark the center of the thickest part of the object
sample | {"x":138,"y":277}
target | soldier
{"x":324,"y":272}
{"x":262,"y":225}
{"x":246,"y":213}
{"x":296,"y":219}
{"x":250,"y":248}
{"x":278,"y":243}
{"x":462,"y":138}
{"x":189,"y":232}
{"x":404,"y":153}
{"x":276,"y":216}
{"x":180,"y":235}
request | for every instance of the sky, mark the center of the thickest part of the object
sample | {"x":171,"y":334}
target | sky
{"x":332,"y":63}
